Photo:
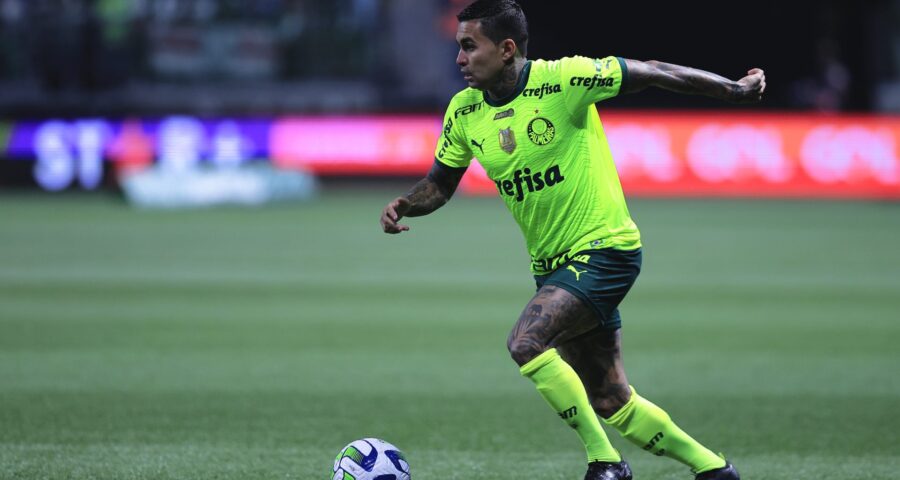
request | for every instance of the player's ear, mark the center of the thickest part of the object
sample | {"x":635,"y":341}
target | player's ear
{"x":508,"y":49}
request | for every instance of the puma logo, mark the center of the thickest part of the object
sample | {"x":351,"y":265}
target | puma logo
{"x":479,"y":145}
{"x":576,"y":272}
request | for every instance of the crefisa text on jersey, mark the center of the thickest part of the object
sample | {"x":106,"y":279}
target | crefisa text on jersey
{"x":591,"y":82}
{"x":545,"y":89}
{"x":534,"y":182}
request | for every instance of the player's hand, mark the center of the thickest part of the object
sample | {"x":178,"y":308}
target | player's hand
{"x":392,"y":214}
{"x":750,"y":88}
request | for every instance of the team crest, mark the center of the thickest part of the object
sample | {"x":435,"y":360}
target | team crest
{"x":507,"y":140}
{"x":541,"y":131}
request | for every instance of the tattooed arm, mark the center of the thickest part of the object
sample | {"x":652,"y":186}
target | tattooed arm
{"x":426,"y":196}
{"x":692,"y":81}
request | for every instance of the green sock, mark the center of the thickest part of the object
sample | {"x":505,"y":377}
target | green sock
{"x":563,"y":390}
{"x":650,"y":428}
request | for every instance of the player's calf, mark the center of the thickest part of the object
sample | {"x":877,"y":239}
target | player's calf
{"x":597,"y":358}
{"x":562,"y":389}
{"x":609,"y":399}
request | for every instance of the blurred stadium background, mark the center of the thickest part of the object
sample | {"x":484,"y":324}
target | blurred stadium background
{"x":193,"y":282}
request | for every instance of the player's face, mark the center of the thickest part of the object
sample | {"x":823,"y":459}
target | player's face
{"x":480,"y":60}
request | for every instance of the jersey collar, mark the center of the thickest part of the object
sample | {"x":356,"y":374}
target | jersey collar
{"x":520,"y":85}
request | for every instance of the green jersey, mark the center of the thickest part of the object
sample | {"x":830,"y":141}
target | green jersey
{"x":544,"y":148}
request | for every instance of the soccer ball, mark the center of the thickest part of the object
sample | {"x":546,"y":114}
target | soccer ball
{"x":370,"y":459}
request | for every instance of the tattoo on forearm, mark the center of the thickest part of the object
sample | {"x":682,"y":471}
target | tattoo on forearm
{"x":425,"y":197}
{"x":693,"y":81}
{"x":433,"y":191}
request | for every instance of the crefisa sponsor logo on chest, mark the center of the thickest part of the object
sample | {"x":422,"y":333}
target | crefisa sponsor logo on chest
{"x":525,"y":181}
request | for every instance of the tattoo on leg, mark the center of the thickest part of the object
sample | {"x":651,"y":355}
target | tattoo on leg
{"x":553,"y":316}
{"x":614,"y":397}
{"x":597,"y":359}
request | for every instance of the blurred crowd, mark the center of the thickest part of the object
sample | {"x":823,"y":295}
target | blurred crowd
{"x":95,"y":44}
{"x":351,"y":55}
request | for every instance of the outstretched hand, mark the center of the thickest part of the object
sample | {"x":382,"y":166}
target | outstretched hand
{"x":750,"y":88}
{"x":392,"y":214}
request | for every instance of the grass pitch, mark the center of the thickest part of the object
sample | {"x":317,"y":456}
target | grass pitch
{"x":254,"y":344}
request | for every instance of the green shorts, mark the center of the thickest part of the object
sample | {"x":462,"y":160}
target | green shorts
{"x":601,"y":278}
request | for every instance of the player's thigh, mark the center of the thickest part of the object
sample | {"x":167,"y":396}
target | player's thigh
{"x":597,"y":359}
{"x":601,"y":278}
{"x":552,"y":317}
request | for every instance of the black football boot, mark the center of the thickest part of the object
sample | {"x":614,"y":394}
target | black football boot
{"x":728,"y":472}
{"x":609,"y":471}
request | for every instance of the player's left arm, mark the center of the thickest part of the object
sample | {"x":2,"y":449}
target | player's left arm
{"x":692,"y":81}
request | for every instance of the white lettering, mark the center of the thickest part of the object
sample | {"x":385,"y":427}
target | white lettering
{"x":181,"y":140}
{"x":91,"y":138}
{"x":229,"y":148}
{"x":830,"y":154}
{"x":55,"y":168}
{"x":716,"y":154}
{"x":643,"y":151}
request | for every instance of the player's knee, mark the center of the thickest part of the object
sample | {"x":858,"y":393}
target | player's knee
{"x":523,"y":352}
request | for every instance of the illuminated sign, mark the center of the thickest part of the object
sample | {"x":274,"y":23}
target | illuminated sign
{"x":356,"y":145}
{"x":695,"y":154}
{"x":78,"y":152}
{"x":657,"y":153}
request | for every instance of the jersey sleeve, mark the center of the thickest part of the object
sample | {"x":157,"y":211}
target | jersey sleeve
{"x":587,"y":81}
{"x":452,"y":149}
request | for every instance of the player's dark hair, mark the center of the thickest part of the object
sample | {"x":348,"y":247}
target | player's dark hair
{"x":500,"y":19}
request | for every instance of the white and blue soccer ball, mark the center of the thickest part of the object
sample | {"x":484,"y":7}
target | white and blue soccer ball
{"x":370,"y":459}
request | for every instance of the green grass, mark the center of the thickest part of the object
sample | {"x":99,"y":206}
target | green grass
{"x":254,"y":344}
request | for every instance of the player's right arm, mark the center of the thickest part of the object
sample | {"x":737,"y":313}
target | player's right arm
{"x":426,"y":196}
{"x":451,"y":159}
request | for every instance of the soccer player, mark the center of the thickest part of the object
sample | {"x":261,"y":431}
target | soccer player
{"x":534,"y":127}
